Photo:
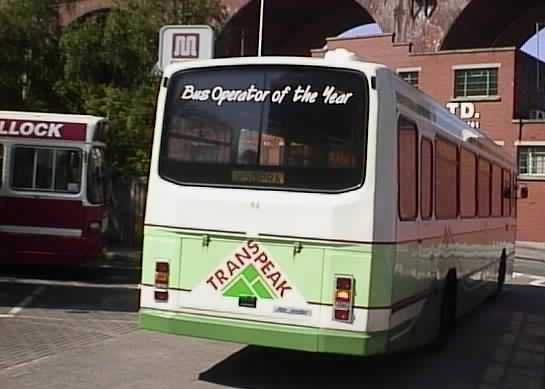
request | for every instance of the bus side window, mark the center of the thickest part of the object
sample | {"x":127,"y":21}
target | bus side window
{"x":496,"y":201}
{"x":513,"y":194}
{"x":407,"y":169}
{"x":46,"y":169}
{"x":1,"y":165}
{"x":446,"y":181}
{"x":68,"y":171}
{"x":426,"y":180}
{"x":506,"y":192}
{"x":483,"y":188}
{"x":468,"y":184}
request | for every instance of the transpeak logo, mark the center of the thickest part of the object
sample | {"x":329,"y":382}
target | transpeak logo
{"x":249,"y":283}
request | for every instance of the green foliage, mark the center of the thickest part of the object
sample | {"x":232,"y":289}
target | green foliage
{"x":108,"y":69}
{"x":29,"y":59}
{"x":100,"y":64}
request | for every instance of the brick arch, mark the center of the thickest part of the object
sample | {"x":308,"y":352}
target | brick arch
{"x":291,"y":28}
{"x":452,"y":24}
{"x":72,"y":10}
{"x":510,"y":24}
{"x":406,"y":19}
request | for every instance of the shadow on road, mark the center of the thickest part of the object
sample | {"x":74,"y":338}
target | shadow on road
{"x":92,"y":273}
{"x":70,"y":289}
{"x":501,"y":345}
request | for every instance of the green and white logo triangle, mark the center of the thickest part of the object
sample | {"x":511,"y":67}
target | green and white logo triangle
{"x":249,"y":283}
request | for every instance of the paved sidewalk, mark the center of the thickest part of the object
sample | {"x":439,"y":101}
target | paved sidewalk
{"x":533,"y":251}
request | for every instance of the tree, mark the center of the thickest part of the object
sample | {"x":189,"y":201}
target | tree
{"x":29,"y":59}
{"x":108,"y":61}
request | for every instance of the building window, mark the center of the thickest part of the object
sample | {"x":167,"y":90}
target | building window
{"x":408,"y":170}
{"x":410,"y":76}
{"x":51,"y":170}
{"x":532,"y":160}
{"x":476,"y":82}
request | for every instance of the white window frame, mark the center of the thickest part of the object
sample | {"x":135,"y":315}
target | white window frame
{"x":475,"y":66}
{"x":531,"y":162}
{"x":416,"y":70}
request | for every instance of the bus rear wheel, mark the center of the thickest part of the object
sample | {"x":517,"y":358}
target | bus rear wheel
{"x":501,"y":275}
{"x":447,"y":318}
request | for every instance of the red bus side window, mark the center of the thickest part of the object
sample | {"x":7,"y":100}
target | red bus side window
{"x":513,"y":195}
{"x":468,"y":183}
{"x":1,"y":165}
{"x":47,"y":169}
{"x":506,"y":192}
{"x":426,"y":179}
{"x":496,"y":200}
{"x":483,"y":187}
{"x":407,"y":169}
{"x":446,"y":181}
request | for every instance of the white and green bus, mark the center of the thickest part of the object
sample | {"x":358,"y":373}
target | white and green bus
{"x":316,"y":204}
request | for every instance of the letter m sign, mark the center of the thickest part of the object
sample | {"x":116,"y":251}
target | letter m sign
{"x":184,"y":43}
{"x":185,"y":46}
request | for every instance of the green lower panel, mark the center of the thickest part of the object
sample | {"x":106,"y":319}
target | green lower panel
{"x":261,"y":334}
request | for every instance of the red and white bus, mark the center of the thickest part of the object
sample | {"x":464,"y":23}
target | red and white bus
{"x":52,"y":187}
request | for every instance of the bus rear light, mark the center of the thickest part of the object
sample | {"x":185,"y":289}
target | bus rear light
{"x":343,"y":298}
{"x":161,"y":267}
{"x":95,"y":225}
{"x":161,"y":279}
{"x":161,"y":295}
{"x":161,"y":274}
{"x":344,"y":283}
{"x":342,"y":314}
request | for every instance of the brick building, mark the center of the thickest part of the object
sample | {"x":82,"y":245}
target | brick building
{"x":495,"y":88}
{"x":499,"y":90}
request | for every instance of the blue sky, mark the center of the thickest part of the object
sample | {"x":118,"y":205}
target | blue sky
{"x":530,"y":47}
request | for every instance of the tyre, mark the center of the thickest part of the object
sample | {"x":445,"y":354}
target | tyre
{"x":501,"y":275}
{"x":447,"y":318}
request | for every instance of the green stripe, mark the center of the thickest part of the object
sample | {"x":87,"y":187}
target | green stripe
{"x":264,"y":334}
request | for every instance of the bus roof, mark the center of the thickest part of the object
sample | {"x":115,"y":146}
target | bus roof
{"x":52,"y":126}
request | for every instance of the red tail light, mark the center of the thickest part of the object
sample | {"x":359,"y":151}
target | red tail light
{"x":161,"y":280}
{"x":161,"y":295}
{"x":342,"y":314}
{"x":95,"y":225}
{"x":343,"y":298}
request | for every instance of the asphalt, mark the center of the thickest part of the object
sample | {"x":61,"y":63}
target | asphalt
{"x":78,"y":330}
{"x":66,"y":339}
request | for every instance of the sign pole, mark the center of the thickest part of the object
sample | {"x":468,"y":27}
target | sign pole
{"x":538,"y":76}
{"x":260,"y":40}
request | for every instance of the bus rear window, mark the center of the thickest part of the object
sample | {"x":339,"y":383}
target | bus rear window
{"x":47,"y":169}
{"x":283,"y":127}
